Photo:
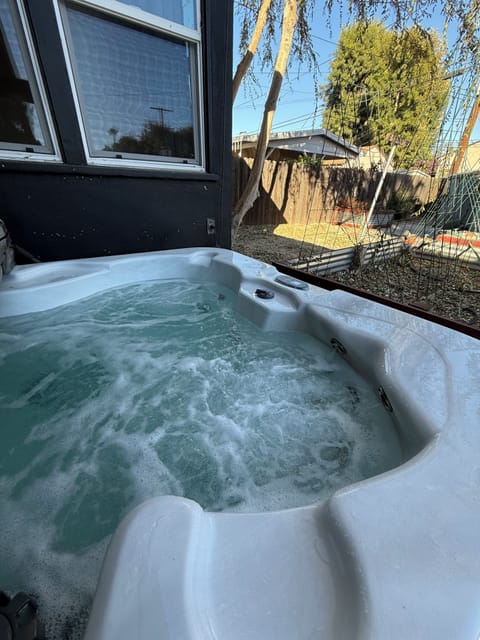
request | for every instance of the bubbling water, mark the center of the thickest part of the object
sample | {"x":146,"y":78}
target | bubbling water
{"x":161,"y":388}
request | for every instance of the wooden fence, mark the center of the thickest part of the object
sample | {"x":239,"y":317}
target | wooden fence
{"x":294,"y":193}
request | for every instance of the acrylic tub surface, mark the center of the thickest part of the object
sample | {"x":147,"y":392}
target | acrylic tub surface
{"x":395,"y":556}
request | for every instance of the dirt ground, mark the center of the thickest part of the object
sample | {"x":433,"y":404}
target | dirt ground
{"x":444,"y":288}
{"x":283,"y":242}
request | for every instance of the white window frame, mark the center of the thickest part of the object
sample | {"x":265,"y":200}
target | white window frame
{"x":10,"y":151}
{"x":137,"y":17}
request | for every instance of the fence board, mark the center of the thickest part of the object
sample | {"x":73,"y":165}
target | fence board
{"x":294,"y":193}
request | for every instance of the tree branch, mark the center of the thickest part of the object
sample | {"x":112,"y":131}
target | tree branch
{"x":245,"y":62}
{"x":250,"y":193}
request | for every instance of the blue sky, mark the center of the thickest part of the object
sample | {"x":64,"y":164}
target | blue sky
{"x":296,"y":105}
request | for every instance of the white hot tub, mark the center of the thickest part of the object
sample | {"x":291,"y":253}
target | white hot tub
{"x":381,"y":542}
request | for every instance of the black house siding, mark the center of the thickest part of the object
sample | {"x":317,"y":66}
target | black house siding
{"x":72,"y":210}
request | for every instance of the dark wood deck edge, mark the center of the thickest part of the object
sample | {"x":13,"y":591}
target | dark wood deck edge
{"x":327,"y":283}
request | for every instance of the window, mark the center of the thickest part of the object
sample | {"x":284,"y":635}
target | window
{"x":136,"y":79}
{"x":181,"y":11}
{"x":25,"y":125}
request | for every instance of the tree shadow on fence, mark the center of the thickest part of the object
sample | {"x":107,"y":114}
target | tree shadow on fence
{"x":303,"y":196}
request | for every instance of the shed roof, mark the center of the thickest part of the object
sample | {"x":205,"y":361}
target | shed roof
{"x":320,"y":142}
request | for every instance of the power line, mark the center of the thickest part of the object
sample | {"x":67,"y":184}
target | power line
{"x":324,"y":39}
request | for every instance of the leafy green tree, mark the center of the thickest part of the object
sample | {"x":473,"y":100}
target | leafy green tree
{"x":358,"y":82}
{"x":155,"y":139}
{"x":387,"y":87}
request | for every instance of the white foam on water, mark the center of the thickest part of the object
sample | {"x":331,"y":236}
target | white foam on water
{"x":162,"y":389}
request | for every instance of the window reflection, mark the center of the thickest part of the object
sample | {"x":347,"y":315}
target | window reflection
{"x":19,"y":117}
{"x":181,"y":11}
{"x":135,"y":88}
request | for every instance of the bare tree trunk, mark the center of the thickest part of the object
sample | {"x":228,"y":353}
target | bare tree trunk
{"x":244,"y":63}
{"x":250,"y":193}
{"x":467,"y":132}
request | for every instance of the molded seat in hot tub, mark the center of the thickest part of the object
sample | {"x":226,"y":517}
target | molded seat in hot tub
{"x":392,"y":557}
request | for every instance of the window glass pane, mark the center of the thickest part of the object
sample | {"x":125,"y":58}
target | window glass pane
{"x":181,"y":11}
{"x":19,"y":115}
{"x":135,"y":88}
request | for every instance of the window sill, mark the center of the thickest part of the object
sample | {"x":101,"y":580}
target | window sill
{"x":7,"y":165}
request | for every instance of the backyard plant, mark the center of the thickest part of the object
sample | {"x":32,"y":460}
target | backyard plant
{"x":384,"y":86}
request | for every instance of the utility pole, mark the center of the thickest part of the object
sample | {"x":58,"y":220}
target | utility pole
{"x":161,"y":114}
